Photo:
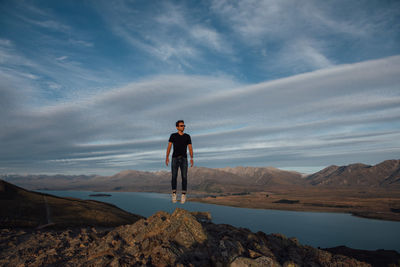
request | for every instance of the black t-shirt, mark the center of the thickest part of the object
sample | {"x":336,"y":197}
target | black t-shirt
{"x":180,"y":143}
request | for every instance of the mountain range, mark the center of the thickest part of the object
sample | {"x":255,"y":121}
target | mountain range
{"x":384,"y":174}
{"x":221,"y":180}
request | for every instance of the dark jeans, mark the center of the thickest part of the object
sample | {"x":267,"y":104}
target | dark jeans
{"x":177,"y":163}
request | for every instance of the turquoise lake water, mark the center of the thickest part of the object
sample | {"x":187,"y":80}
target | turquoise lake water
{"x":317,"y":229}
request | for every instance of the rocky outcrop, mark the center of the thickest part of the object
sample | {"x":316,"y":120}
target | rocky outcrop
{"x":379,"y":257}
{"x":178,"y":239}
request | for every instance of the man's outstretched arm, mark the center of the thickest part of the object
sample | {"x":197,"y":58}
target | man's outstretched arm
{"x":168,"y":150}
{"x":191,"y":154}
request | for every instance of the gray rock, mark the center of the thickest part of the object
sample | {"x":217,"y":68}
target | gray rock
{"x":259,"y":262}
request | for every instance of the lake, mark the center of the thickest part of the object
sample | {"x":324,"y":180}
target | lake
{"x":318,"y":229}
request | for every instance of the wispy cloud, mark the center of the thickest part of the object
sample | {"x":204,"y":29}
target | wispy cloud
{"x":62,"y":58}
{"x":169,"y":34}
{"x":301,"y":37}
{"x":80,"y":43}
{"x":5,"y":42}
{"x":48,"y":24}
{"x":41,"y":17}
{"x":302,"y":56}
{"x":282,"y":19}
{"x":48,"y":72}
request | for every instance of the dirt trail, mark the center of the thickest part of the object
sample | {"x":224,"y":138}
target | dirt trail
{"x":48,"y":215}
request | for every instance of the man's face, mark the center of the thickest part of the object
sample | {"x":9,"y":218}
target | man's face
{"x":181,"y":127}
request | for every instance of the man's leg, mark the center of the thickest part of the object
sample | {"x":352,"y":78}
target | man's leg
{"x":184,"y":168}
{"x":174,"y":172}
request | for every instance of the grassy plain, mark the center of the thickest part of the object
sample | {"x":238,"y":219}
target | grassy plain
{"x":373,"y":203}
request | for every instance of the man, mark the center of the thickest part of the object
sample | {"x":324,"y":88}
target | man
{"x":181,"y":142}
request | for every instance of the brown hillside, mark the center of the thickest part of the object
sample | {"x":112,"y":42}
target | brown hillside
{"x":23,"y":208}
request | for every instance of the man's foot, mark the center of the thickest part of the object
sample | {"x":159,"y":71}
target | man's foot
{"x":183,"y":198}
{"x":173,"y":197}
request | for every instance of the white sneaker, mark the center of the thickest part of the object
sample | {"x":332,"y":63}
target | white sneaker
{"x":173,"y":197}
{"x":183,"y":198}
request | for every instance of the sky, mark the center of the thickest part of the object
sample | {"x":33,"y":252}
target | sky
{"x":95,"y":87}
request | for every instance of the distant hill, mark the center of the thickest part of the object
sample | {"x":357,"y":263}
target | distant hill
{"x":23,"y":208}
{"x":384,"y":174}
{"x":268,"y":176}
{"x":220,"y":180}
{"x":130,"y":180}
{"x":48,"y":182}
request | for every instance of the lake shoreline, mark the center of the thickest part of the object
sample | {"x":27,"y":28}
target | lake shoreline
{"x":368,"y":203}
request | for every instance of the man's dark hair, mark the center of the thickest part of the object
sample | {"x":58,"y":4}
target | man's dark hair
{"x":177,"y":123}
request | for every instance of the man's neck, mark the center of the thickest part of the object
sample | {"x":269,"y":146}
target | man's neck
{"x":180,"y":132}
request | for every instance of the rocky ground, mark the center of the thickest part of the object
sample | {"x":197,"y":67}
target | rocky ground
{"x":179,"y":239}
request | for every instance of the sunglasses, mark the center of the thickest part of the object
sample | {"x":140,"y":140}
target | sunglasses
{"x":181,"y":125}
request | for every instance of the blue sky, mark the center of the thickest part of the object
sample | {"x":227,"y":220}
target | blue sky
{"x":96,"y":86}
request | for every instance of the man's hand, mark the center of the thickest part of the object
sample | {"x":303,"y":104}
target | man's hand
{"x":191,"y":154}
{"x":167,"y":161}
